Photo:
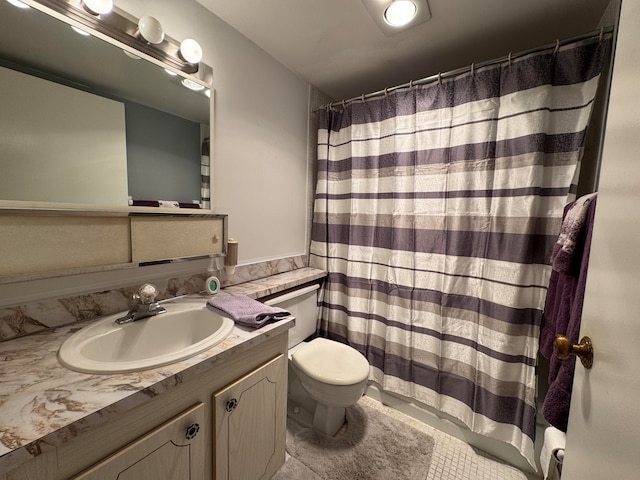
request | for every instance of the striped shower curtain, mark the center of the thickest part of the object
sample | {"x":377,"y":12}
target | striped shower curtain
{"x":435,"y":214}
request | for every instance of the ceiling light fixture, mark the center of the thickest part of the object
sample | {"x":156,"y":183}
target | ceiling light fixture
{"x":98,"y":7}
{"x":383,"y":13}
{"x":400,"y":13}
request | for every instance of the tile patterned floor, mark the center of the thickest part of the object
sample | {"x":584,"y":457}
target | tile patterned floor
{"x":454,"y":459}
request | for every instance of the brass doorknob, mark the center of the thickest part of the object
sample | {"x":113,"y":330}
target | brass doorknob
{"x":562,"y":347}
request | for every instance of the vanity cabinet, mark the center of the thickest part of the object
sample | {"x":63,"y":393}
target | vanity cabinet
{"x":148,"y":441}
{"x":174,"y":450}
{"x":250,"y":422}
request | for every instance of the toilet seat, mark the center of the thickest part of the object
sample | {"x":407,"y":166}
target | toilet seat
{"x":331,"y":362}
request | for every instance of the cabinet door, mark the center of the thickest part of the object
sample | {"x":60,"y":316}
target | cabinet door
{"x":174,"y":450}
{"x":250,"y":423}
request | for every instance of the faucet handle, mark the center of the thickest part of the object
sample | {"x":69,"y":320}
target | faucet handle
{"x":147,"y":293}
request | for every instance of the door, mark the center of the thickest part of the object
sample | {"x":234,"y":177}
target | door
{"x":603,"y":437}
{"x":174,"y":450}
{"x":250,"y":421}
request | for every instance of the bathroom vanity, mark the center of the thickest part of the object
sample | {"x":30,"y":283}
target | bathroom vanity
{"x":220,"y":414}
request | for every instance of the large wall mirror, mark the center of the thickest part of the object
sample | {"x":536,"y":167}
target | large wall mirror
{"x":88,"y":124}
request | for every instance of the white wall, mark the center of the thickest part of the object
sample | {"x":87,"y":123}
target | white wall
{"x":260,"y":132}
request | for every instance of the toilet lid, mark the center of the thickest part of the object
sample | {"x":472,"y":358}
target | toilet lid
{"x":331,"y":362}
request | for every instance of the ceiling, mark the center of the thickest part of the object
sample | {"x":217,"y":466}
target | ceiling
{"x":336,"y":46}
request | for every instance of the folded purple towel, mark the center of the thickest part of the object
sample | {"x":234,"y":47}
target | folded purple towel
{"x":246,"y":311}
{"x":563,"y":257}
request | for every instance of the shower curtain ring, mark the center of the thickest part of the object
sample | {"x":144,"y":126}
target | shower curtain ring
{"x":555,"y":50}
{"x":362,"y":98}
{"x":344,"y":103}
{"x":439,"y":78}
{"x":410,"y":84}
{"x":386,"y":91}
{"x":473,"y":69}
{"x":601,"y":33}
{"x":509,"y":59}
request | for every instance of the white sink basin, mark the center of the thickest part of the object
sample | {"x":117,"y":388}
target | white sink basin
{"x":181,"y":332}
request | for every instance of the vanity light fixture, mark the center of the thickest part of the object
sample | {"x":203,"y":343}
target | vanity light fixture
{"x":190,"y":84}
{"x":145,"y":34}
{"x":400,"y":12}
{"x":191,"y":51}
{"x":150,"y":29}
{"x":18,"y":3}
{"x":98,"y":7}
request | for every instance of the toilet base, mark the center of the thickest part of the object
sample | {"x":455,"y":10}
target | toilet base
{"x":328,"y":420}
{"x":322,"y":418}
{"x":308,"y":412}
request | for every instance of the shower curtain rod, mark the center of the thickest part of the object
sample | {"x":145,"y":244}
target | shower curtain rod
{"x":451,"y":73}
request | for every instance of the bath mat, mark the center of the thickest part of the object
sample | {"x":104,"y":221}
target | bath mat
{"x":371,"y":445}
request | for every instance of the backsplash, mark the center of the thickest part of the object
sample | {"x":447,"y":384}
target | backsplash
{"x":37,"y":316}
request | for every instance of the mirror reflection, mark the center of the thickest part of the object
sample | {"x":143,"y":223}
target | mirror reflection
{"x":84,"y":122}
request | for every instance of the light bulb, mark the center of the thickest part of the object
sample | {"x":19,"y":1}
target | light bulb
{"x":400,"y":12}
{"x":98,"y":7}
{"x":151,"y":29}
{"x":191,"y":50}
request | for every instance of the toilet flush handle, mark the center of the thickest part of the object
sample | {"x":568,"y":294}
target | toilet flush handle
{"x":562,"y":347}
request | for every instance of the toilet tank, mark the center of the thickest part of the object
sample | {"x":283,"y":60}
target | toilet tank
{"x":303,"y":305}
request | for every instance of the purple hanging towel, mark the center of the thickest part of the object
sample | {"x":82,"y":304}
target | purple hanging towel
{"x":563,"y":305}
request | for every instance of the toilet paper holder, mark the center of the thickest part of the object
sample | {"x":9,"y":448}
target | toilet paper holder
{"x":563,"y":348}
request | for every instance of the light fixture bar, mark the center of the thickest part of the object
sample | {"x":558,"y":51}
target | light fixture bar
{"x":124,"y":28}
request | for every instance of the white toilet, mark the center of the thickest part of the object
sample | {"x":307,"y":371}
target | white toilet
{"x":325,"y":376}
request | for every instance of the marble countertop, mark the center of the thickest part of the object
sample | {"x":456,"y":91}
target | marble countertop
{"x":43,"y":403}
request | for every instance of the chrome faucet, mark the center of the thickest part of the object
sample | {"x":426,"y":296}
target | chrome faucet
{"x":146,"y":306}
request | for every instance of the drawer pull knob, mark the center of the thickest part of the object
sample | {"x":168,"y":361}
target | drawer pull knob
{"x":192,"y":431}
{"x":231,"y":405}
